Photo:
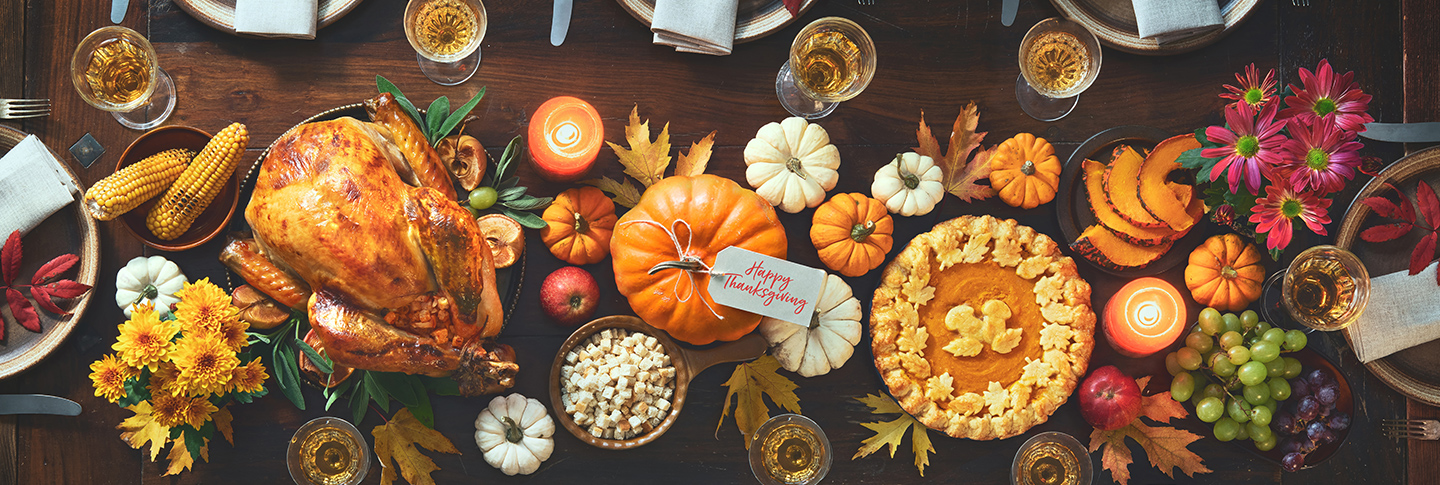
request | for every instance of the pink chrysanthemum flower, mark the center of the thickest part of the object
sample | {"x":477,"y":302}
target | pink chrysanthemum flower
{"x":1281,"y":205}
{"x":1324,"y":94}
{"x":1252,"y":90}
{"x":1252,"y":147}
{"x":1322,"y":156}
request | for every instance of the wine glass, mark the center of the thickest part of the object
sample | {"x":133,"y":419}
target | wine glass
{"x":1325,"y":288}
{"x":115,"y":69}
{"x":790,"y":449}
{"x":1051,"y":457}
{"x":1059,"y":59}
{"x":446,"y":35}
{"x":831,"y":60}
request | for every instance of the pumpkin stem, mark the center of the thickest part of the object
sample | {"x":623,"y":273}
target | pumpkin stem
{"x":1229,"y":272}
{"x":861,"y":231}
{"x":581,"y":225}
{"x":911,"y":180}
{"x":1028,"y":168}
{"x":513,"y":433}
{"x":687,"y":264}
{"x":150,"y":292}
{"x":795,"y":167}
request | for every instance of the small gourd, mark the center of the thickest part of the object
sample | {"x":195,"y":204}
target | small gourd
{"x":1024,"y":171}
{"x":151,"y":280}
{"x":852,"y":233}
{"x":514,"y":433}
{"x":910,"y":185}
{"x":1225,"y":273}
{"x":829,"y":340}
{"x":578,"y":225}
{"x":791,"y":164}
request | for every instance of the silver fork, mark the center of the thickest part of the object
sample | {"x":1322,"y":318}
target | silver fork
{"x":865,"y":2}
{"x":1415,"y":429}
{"x":1300,"y":3}
{"x":14,"y":109}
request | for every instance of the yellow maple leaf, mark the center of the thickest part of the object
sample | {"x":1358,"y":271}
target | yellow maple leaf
{"x":694,"y":162}
{"x":644,"y":160}
{"x":893,"y":432}
{"x":622,"y":191}
{"x":960,"y":176}
{"x":180,"y":457}
{"x":1165,"y":446}
{"x":396,"y":440}
{"x":222,"y":422}
{"x":749,"y":381}
{"x":142,"y":428}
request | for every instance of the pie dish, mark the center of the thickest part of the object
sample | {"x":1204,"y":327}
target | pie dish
{"x":982,"y":328}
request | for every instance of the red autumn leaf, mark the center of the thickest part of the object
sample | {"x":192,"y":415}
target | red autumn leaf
{"x":1384,"y":207}
{"x":24,"y":313}
{"x":1423,"y":255}
{"x":1407,"y":211}
{"x":1429,"y":205}
{"x":793,"y":6}
{"x":66,"y":289}
{"x":42,"y":298}
{"x":10,"y":259}
{"x":1385,"y":232}
{"x":54,"y":269}
{"x":1371,"y":165}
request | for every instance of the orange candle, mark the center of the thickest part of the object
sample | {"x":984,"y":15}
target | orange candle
{"x":565,"y":136}
{"x":1145,"y":317}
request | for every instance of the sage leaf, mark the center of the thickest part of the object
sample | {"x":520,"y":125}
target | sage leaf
{"x":459,"y":115}
{"x":434,"y":117}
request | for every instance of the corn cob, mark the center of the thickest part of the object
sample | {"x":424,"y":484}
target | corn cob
{"x":199,"y":184}
{"x":131,"y":186}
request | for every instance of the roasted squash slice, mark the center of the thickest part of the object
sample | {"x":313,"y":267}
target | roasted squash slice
{"x":1155,"y":196}
{"x":1101,"y":246}
{"x":1182,"y":192}
{"x":1122,"y":187}
{"x":1106,"y":215}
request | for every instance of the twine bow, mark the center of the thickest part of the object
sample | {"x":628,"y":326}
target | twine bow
{"x":688,"y":262}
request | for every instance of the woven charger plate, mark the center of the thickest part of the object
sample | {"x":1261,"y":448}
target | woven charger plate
{"x":1113,"y":21}
{"x":71,"y":230}
{"x":220,"y":14}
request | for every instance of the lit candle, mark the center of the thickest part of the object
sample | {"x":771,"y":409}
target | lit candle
{"x":565,"y":136}
{"x":1145,"y":317}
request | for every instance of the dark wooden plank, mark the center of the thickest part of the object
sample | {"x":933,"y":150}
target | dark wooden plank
{"x":1422,"y":103}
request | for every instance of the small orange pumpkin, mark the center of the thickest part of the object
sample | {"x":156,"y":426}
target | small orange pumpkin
{"x":852,"y":233}
{"x":1225,"y":273}
{"x":578,"y":225}
{"x":660,"y":261}
{"x":1024,"y":171}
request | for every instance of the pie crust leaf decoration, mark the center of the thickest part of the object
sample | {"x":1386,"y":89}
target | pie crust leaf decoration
{"x":893,"y":432}
{"x":999,"y":343}
{"x":1166,"y":447}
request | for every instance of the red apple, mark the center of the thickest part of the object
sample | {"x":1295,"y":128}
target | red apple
{"x":1109,"y":399}
{"x":569,"y":295}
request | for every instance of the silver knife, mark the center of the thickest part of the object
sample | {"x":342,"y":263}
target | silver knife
{"x":117,"y":10}
{"x":1403,"y":132}
{"x":1007,"y":11}
{"x":560,"y":22}
{"x":37,"y":404}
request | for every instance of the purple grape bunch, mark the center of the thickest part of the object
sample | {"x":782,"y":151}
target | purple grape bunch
{"x":1311,"y":421}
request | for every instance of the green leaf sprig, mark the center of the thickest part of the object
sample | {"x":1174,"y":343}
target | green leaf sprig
{"x":437,"y":121}
{"x":511,"y":198}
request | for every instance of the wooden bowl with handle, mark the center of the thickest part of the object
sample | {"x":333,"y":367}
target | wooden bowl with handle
{"x":687,"y":362}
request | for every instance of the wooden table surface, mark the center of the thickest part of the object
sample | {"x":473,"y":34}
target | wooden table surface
{"x":933,"y":56}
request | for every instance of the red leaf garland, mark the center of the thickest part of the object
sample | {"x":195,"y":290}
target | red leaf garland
{"x":54,"y":269}
{"x":65,"y":289}
{"x":45,"y":288}
{"x":10,"y":259}
{"x":1429,"y":205}
{"x":1384,"y":207}
{"x":1386,"y":232}
{"x":24,"y":313}
{"x":42,"y":298}
{"x":1424,"y":253}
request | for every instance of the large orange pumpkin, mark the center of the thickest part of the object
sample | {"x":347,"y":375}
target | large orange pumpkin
{"x":578,"y":225}
{"x":852,"y":233}
{"x":1225,"y":273}
{"x":666,"y":284}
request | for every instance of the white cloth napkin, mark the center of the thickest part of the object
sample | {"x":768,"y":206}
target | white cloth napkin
{"x":294,"y":19}
{"x":33,"y":185}
{"x":1166,"y":20}
{"x":1402,"y":313}
{"x":696,"y":26}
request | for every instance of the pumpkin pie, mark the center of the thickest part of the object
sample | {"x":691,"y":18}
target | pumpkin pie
{"x":981,"y":328}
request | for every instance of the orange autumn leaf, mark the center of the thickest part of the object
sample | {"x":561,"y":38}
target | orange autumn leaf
{"x":141,"y":428}
{"x":622,"y":192}
{"x":180,"y":458}
{"x":644,"y":160}
{"x":1165,"y":446}
{"x":395,"y":441}
{"x":961,"y":172}
{"x":694,"y":162}
{"x":222,"y":422}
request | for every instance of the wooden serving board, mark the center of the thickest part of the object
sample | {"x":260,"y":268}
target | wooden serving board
{"x":71,"y":230}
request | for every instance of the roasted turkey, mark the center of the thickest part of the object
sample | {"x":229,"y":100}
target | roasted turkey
{"x":351,"y":220}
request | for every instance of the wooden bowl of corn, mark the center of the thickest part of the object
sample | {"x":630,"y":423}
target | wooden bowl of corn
{"x":172,"y":167}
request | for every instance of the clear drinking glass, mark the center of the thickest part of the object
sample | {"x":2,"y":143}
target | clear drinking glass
{"x":115,"y":69}
{"x":1059,"y":59}
{"x":446,"y":35}
{"x":1051,"y":458}
{"x":1325,"y":288}
{"x":790,"y":449}
{"x":327,"y":451}
{"x":831,"y":60}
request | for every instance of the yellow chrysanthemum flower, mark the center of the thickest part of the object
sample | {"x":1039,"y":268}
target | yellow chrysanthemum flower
{"x":197,"y":411}
{"x":144,"y":340}
{"x":169,"y":411}
{"x":162,"y":381}
{"x":109,"y":375}
{"x":233,"y":334}
{"x":204,"y":308}
{"x":205,"y":364}
{"x":249,"y":377}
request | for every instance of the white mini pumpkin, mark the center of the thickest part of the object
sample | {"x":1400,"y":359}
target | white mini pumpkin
{"x":148,"y":280}
{"x":910,"y":185}
{"x":828,"y":342}
{"x":791,"y":164}
{"x":514,"y":433}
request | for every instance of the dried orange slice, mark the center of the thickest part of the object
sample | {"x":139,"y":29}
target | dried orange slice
{"x":505,"y":236}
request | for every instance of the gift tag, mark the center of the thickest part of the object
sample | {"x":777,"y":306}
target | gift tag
{"x":766,"y":285}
